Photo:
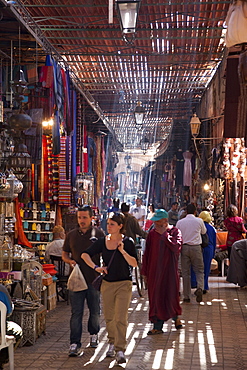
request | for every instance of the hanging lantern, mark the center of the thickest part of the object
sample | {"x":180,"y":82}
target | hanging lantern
{"x":195,"y":124}
{"x":139,"y":115}
{"x":144,"y":144}
{"x":128,"y":11}
{"x":20,"y":161}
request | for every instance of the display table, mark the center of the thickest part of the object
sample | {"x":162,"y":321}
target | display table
{"x":32,"y":320}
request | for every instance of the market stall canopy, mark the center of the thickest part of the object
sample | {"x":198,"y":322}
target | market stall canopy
{"x":166,"y":65}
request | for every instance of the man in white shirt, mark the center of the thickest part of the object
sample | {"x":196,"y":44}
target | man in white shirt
{"x":55,"y":248}
{"x":138,"y":211}
{"x":191,"y":228}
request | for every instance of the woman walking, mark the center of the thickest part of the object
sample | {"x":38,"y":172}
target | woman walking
{"x":116,"y":287}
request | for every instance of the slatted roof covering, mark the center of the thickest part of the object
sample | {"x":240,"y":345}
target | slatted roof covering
{"x":167,"y":65}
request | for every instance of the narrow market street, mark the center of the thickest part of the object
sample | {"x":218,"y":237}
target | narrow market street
{"x":213,"y":337}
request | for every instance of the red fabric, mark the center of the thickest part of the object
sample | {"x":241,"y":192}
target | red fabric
{"x":160,"y":266}
{"x":22,"y":239}
{"x":85,"y":156}
{"x":235,"y":227}
{"x":45,"y":159}
{"x":147,"y":225}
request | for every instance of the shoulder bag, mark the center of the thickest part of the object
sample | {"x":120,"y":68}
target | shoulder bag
{"x":205,"y":240}
{"x":96,"y":283}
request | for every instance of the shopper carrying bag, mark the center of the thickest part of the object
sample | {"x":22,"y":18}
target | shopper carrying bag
{"x":119,"y":256}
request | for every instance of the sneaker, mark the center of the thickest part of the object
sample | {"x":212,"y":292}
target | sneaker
{"x":198,"y":294}
{"x":94,"y":340}
{"x":120,"y":358}
{"x":74,"y":350}
{"x":111,"y":351}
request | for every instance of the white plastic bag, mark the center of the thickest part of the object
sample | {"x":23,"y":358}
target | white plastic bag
{"x":76,"y":281}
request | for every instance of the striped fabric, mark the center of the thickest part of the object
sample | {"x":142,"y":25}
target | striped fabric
{"x":64,"y":197}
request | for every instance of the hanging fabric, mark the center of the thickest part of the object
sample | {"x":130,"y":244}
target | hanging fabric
{"x":22,"y":239}
{"x":64,"y":184}
{"x":73,"y":139}
{"x":236,"y":22}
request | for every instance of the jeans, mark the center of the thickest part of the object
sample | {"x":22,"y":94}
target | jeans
{"x":77,"y":300}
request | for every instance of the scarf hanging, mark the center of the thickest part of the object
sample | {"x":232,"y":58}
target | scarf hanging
{"x":73,"y":139}
{"x":45,"y":168}
{"x":49,"y":163}
{"x":64,"y":197}
{"x":22,"y":239}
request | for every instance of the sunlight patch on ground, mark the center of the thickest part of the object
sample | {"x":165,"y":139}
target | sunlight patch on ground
{"x":157,"y":359}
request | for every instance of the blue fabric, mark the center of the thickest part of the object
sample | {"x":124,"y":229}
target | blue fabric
{"x":208,"y":254}
{"x":73,"y":140}
{"x":6,"y":300}
{"x":77,"y":300}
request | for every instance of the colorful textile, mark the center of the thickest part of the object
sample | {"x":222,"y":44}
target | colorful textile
{"x":22,"y":239}
{"x":64,"y":197}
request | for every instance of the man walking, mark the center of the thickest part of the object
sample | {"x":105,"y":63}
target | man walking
{"x":191,"y":228}
{"x":160,"y":269}
{"x":132,"y":227}
{"x":76,"y":242}
{"x":173,"y":214}
{"x":138,"y":211}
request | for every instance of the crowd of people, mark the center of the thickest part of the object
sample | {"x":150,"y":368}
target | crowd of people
{"x":179,"y":243}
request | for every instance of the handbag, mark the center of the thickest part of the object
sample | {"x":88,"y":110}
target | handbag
{"x":205,"y":240}
{"x":96,"y":283}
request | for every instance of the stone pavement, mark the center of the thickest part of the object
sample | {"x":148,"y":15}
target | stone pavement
{"x":214,"y":337}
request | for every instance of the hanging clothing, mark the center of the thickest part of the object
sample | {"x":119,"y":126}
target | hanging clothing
{"x":179,"y":168}
{"x":187,"y":177}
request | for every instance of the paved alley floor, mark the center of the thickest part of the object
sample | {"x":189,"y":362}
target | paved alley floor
{"x":214,"y":336}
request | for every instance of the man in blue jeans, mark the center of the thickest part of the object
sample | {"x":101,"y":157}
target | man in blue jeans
{"x":76,"y":242}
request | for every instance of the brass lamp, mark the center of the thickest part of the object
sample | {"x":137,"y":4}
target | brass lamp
{"x":195,"y":124}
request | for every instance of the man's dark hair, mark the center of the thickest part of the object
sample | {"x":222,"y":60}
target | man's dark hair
{"x":174,"y":203}
{"x":191,"y":208}
{"x":125,"y":208}
{"x":86,"y":209}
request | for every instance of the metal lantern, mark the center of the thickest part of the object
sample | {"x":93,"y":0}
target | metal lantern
{"x":139,"y":114}
{"x":128,"y":11}
{"x":195,"y":124}
{"x":20,"y":161}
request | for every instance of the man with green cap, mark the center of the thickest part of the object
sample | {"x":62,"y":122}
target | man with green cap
{"x":160,"y":269}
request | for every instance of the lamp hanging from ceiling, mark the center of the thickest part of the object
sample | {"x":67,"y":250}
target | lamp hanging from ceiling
{"x":145,"y":144}
{"x":127,"y":159}
{"x":128,"y":11}
{"x":20,"y":161}
{"x":195,"y":124}
{"x":139,"y":115}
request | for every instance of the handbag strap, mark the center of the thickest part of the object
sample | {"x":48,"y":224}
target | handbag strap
{"x":109,"y":264}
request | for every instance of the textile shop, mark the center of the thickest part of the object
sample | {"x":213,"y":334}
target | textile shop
{"x":53,"y":158}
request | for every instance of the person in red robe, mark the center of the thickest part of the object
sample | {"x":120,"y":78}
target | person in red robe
{"x":160,"y":270}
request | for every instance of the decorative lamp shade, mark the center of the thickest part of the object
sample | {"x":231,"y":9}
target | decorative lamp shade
{"x":128,"y":11}
{"x":195,"y":124}
{"x":145,"y":144}
{"x":20,"y":161}
{"x":127,"y":159}
{"x":20,"y":121}
{"x":139,"y":114}
{"x":19,"y":86}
